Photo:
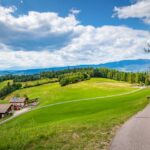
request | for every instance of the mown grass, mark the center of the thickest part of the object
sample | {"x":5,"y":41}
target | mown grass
{"x":53,"y":92}
{"x":80,"y":125}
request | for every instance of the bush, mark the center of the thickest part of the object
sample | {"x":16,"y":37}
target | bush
{"x":72,"y":78}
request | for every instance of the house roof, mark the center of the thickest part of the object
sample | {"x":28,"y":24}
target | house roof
{"x":4,"y":108}
{"x":17,"y":100}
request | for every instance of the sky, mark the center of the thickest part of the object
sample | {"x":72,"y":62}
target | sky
{"x":50,"y":33}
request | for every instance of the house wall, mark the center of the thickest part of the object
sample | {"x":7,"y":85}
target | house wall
{"x":9,"y":111}
{"x":18,"y":105}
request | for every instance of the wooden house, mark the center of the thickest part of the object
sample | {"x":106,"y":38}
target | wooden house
{"x":5,"y":109}
{"x":18,"y":103}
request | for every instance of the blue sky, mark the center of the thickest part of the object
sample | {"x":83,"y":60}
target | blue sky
{"x":93,"y":12}
{"x":48,"y":33}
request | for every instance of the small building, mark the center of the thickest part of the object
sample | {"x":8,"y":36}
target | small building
{"x":5,"y":109}
{"x":18,"y":103}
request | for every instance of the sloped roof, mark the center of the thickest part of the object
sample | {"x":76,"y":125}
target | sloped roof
{"x":4,"y":108}
{"x":17,"y":100}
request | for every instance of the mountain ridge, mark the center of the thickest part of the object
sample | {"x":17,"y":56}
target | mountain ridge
{"x":138,"y":65}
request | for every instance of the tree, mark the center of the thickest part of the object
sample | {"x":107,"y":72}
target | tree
{"x":147,"y":81}
{"x":137,"y":78}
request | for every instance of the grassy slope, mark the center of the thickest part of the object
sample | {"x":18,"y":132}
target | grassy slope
{"x":29,"y":83}
{"x":79,"y":125}
{"x":53,"y":92}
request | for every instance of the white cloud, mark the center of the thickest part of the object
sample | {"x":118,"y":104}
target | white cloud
{"x":86,"y":44}
{"x":37,"y":23}
{"x":75,"y":11}
{"x":140,"y":9}
{"x":6,"y":11}
{"x":41,"y":28}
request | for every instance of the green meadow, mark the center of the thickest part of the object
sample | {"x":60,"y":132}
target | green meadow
{"x":53,"y":92}
{"x":76,"y":125}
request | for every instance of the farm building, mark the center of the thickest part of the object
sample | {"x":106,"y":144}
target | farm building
{"x":5,"y":109}
{"x":19,"y":103}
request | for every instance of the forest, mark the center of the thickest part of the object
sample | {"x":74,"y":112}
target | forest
{"x":142,"y":78}
{"x":80,"y":73}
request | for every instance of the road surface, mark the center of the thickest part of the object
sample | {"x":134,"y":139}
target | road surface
{"x":134,"y":134}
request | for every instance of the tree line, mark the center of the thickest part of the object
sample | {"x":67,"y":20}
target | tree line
{"x":138,"y":77}
{"x":42,"y":75}
{"x":20,"y":78}
{"x":79,"y":74}
{"x":9,"y":88}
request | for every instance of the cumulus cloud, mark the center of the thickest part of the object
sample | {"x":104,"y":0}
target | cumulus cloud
{"x":59,"y":41}
{"x":140,"y":9}
{"x":36,"y":28}
{"x":46,"y":22}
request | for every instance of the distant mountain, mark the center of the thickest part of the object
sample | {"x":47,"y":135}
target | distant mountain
{"x":139,"y":65}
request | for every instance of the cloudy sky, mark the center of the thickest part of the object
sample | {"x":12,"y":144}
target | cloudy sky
{"x":49,"y":33}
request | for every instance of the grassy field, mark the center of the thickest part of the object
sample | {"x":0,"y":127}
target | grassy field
{"x":25,"y":84}
{"x":87,"y":125}
{"x":53,"y":92}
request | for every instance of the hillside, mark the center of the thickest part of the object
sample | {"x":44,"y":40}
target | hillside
{"x":139,"y":65}
{"x":53,"y":92}
{"x":74,"y":121}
